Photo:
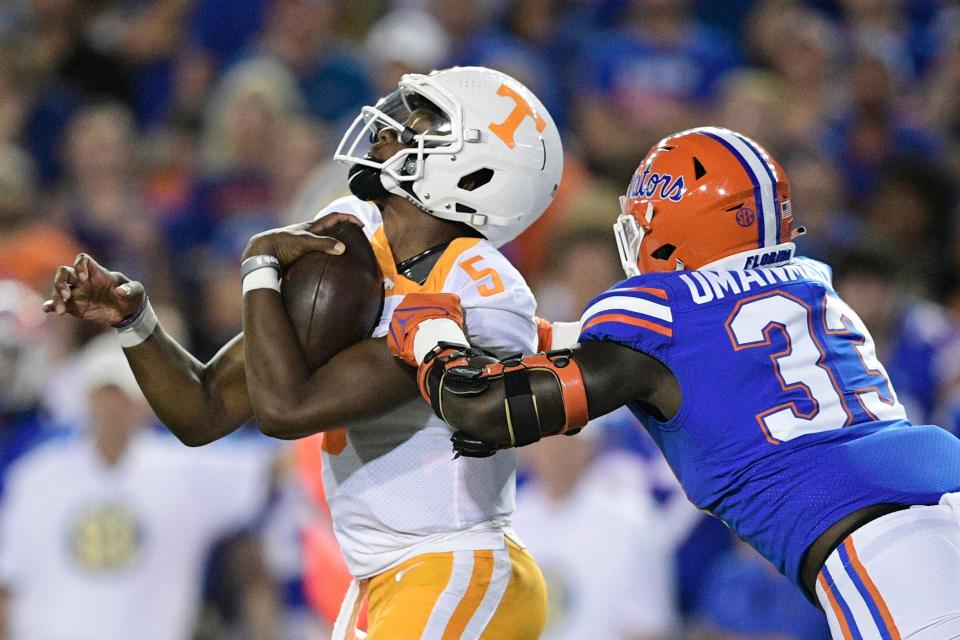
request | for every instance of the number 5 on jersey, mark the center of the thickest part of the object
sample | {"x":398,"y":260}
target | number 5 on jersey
{"x":489,"y":282}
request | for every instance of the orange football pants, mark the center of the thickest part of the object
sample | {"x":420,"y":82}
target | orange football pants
{"x":494,"y":594}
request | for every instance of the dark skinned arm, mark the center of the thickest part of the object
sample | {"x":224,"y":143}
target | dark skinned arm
{"x":289,"y":399}
{"x":613,"y":375}
{"x":199,"y":402}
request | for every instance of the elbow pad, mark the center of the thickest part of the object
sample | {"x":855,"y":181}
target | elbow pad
{"x":451,"y":372}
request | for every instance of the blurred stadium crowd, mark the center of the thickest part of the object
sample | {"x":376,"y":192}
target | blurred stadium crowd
{"x":159,"y":135}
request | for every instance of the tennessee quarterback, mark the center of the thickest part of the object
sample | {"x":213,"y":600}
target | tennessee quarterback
{"x":759,"y":384}
{"x":444,"y":170}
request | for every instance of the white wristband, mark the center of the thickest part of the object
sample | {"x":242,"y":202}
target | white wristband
{"x":262,"y":279}
{"x":141,"y":329}
{"x":434,"y":330}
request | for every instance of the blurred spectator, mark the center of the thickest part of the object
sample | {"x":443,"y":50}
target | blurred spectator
{"x":657,"y":73}
{"x":193,"y":75}
{"x":405,"y":41}
{"x":253,"y":153}
{"x":302,"y":34}
{"x":605,"y":547}
{"x":14,"y":100}
{"x":66,"y":40}
{"x":76,"y":50}
{"x":28,"y":348}
{"x":877,"y":128}
{"x":751,"y":102}
{"x":145,"y":36}
{"x":912,"y":211}
{"x":883,"y":27}
{"x":583,"y":264}
{"x":244,"y":113}
{"x":31,"y":248}
{"x":744,"y":598}
{"x":819,"y":203}
{"x":170,"y":156}
{"x":307,"y":188}
{"x":940,"y":98}
{"x":803,"y":49}
{"x":221,"y":296}
{"x":241,"y":130}
{"x":944,"y":38}
{"x":909,"y":332}
{"x":302,"y":147}
{"x":101,"y":199}
{"x":105,"y":537}
{"x":948,"y":364}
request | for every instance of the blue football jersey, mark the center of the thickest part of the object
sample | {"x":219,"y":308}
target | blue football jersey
{"x":788,"y":421}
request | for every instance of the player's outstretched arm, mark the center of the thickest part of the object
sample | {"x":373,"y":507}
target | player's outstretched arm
{"x":496,"y":404}
{"x":289,"y":399}
{"x":198,"y":402}
{"x":501,"y":404}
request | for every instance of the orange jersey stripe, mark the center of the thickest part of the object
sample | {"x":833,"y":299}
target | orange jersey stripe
{"x":400,"y":285}
{"x":660,"y":293}
{"x":619,"y":317}
{"x":837,"y":611}
{"x":872,"y":588}
{"x":438,"y":275}
{"x":479,"y":581}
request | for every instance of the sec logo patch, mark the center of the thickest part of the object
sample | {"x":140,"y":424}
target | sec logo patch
{"x":106,"y":538}
{"x":745,"y":216}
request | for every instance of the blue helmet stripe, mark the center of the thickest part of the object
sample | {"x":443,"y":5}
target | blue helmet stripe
{"x":773,"y":181}
{"x":763,"y":186}
{"x":753,"y":179}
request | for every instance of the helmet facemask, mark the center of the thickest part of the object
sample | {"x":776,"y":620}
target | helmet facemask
{"x":399,"y":172}
{"x":629,"y":233}
{"x":492,"y":160}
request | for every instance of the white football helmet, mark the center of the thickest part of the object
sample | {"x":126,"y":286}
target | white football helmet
{"x":497,"y":133}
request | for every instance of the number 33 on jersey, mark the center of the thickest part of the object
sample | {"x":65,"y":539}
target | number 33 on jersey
{"x":799,"y":363}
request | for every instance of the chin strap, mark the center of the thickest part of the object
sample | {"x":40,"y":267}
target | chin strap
{"x":448,"y":369}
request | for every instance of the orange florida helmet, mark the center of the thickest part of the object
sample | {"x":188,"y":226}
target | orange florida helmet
{"x":705,"y":197}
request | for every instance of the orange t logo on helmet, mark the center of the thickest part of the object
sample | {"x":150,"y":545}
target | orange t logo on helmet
{"x":508,"y":127}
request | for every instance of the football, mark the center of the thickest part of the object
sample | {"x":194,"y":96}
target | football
{"x":334,"y":301}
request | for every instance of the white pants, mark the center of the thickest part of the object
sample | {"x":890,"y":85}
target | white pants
{"x":897,"y":577}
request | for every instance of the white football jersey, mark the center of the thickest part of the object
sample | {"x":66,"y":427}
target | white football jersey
{"x":392,"y":484}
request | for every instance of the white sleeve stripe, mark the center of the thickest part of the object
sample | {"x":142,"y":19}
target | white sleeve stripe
{"x":634,"y":305}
